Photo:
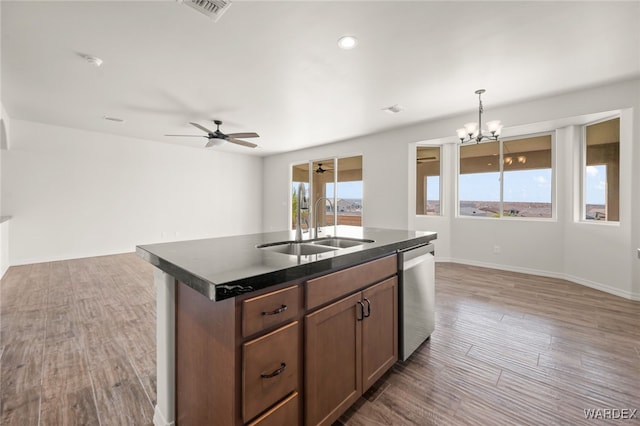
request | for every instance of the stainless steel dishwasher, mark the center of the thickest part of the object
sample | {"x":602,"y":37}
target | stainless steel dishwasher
{"x":416,"y":297}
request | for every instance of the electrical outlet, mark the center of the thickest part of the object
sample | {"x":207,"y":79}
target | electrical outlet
{"x":496,"y":249}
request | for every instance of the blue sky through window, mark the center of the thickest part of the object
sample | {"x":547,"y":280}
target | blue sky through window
{"x":595,"y":184}
{"x":433,"y":188}
{"x":528,"y":186}
{"x":479,"y":187}
{"x":351,"y":190}
{"x":519,"y":186}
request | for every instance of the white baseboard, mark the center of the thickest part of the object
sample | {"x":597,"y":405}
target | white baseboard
{"x":70,"y":257}
{"x":159,"y":420}
{"x":2,"y":272}
{"x":602,"y":287}
{"x":568,"y":277}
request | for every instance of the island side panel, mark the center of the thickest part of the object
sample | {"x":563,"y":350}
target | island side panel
{"x":206,"y":359}
{"x":165,"y":286}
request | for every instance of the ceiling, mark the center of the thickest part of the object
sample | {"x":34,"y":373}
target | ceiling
{"x":274,"y":67}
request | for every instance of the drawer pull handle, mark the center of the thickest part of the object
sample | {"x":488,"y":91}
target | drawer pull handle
{"x":362,"y":315}
{"x":280,"y":310}
{"x":275,"y":373}
{"x":368,"y":308}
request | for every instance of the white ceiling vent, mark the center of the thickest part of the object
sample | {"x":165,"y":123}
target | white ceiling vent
{"x":212,"y":8}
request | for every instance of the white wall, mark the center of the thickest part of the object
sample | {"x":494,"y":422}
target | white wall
{"x":600,"y":256}
{"x":4,"y":125}
{"x":73,"y":193}
{"x":4,"y":226}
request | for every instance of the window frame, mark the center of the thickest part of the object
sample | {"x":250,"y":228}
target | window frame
{"x":334,"y":159}
{"x":582,"y":171}
{"x":442,"y":195}
{"x":554,"y":207}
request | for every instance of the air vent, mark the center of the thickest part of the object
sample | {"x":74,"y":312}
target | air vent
{"x":212,"y":8}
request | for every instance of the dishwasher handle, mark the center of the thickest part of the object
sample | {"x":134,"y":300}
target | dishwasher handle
{"x":411,"y":253}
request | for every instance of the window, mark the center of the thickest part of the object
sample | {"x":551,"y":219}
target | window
{"x":506,"y":179}
{"x":601,"y":176}
{"x":428,"y":180}
{"x":339,"y":181}
{"x":300,"y":174}
{"x":479,"y":180}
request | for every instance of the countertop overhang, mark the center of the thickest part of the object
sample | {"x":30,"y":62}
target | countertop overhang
{"x":220,"y":268}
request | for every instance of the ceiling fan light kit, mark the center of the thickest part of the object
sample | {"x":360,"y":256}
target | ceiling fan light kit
{"x":473,"y":132}
{"x":214,"y":142}
{"x":217,"y":138}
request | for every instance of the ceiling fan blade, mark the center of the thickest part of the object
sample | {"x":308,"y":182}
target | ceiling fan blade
{"x":209,"y":144}
{"x":189,"y":136}
{"x":241,"y":142}
{"x":204,"y":129}
{"x":243,"y":135}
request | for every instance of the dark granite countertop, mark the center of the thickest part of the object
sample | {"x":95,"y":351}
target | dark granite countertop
{"x":221,"y":268}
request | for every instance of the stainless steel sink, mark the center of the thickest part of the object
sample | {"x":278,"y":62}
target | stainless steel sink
{"x":298,"y":249}
{"x":340,"y":242}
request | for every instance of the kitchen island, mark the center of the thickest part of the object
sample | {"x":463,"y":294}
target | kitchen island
{"x":239,"y":327}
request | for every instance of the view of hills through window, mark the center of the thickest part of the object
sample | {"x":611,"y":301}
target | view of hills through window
{"x":601,"y":178}
{"x":525,"y":189}
{"x":329,"y":183}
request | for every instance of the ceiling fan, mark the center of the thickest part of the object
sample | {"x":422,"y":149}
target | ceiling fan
{"x":218,"y":138}
{"x":320,"y":169}
{"x":426,"y":159}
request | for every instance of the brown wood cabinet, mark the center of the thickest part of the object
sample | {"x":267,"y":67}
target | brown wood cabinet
{"x":276,"y":307}
{"x":230,"y":356}
{"x":269,"y":369}
{"x":241,"y":361}
{"x":333,"y":360}
{"x":285,"y":413}
{"x":379,"y":331}
{"x":349,"y":345}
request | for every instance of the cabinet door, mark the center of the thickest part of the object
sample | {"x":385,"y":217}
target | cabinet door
{"x":379,"y":331}
{"x":333,"y":367}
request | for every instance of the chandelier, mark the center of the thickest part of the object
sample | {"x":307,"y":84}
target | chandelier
{"x":473,"y":131}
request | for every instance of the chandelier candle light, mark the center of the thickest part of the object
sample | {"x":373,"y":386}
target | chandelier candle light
{"x":473,"y":131}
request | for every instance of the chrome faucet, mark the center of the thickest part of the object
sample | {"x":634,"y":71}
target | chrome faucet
{"x":315,"y":210}
{"x":303,"y":204}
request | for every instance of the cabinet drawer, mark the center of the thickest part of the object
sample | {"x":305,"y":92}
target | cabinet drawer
{"x":286,"y":412}
{"x":259,"y":313}
{"x":337,"y":284}
{"x":269,"y":369}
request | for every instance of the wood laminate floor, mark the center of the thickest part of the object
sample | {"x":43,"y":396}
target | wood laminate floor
{"x":77,"y":346}
{"x":77,"y":340}
{"x":513,"y":349}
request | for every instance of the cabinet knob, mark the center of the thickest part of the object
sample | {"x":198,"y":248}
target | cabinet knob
{"x":275,"y":373}
{"x":276,"y":311}
{"x":368,"y":308}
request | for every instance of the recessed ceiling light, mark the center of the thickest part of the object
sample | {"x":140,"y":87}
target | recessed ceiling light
{"x":347,"y":42}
